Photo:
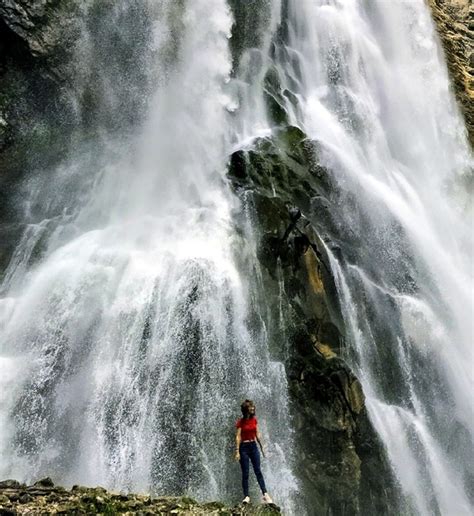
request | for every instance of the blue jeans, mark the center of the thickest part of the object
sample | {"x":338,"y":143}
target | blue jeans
{"x":249,"y":451}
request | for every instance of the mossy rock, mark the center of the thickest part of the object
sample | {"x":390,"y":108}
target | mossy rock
{"x":97,"y":500}
{"x":285,"y":165}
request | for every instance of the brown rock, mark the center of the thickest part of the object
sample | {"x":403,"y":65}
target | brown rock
{"x":454,"y":22}
{"x":325,"y":350}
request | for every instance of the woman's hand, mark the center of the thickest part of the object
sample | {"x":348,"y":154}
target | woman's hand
{"x":259,"y":440}
{"x":237,"y":456}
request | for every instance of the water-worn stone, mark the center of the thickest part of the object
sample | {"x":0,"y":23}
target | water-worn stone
{"x":44,"y":482}
{"x":25,"y":498}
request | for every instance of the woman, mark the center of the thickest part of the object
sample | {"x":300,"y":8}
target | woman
{"x":246,"y":449}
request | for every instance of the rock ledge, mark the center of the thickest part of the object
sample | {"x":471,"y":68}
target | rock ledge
{"x":43,"y":497}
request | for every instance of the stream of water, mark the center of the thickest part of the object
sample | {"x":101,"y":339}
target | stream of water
{"x":373,"y":92}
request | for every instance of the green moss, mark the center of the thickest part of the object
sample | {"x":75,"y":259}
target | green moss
{"x":214,"y":506}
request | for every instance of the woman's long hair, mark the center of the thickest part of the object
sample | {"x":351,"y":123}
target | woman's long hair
{"x":245,"y":407}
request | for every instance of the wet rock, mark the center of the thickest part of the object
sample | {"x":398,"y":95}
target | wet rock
{"x":44,"y":482}
{"x":52,"y":94}
{"x":10,"y":484}
{"x":453,"y":19}
{"x":274,"y":98}
{"x":249,"y":20}
{"x":42,"y":25}
{"x":3,"y":132}
{"x":291,"y":199}
{"x":13,"y":496}
{"x":25,"y":498}
{"x":35,"y":39}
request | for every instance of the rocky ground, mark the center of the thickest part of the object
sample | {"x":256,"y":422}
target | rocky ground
{"x":44,"y":497}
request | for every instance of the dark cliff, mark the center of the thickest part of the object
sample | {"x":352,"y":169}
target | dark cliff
{"x":290,"y":198}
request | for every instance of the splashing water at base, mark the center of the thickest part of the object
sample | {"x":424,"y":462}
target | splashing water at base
{"x":128,"y":340}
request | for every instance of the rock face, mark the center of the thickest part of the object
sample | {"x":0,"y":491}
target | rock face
{"x":41,"y":25}
{"x":289,"y":196}
{"x":35,"y":42}
{"x":44,"y":497}
{"x":455,"y":23}
{"x":63,"y":90}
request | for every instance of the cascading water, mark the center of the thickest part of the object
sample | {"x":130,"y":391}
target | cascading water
{"x":125,"y":334}
{"x":125,"y":349}
{"x":373,"y":93}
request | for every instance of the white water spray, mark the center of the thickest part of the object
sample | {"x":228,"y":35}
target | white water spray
{"x":127,"y":345}
{"x":374,"y":93}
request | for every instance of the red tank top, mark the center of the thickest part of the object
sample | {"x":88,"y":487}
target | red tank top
{"x":248,"y":428}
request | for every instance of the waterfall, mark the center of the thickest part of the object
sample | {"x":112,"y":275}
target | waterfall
{"x":373,"y":92}
{"x":132,"y":317}
{"x":125,"y":343}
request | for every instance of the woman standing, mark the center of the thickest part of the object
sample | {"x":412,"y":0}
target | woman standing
{"x":247,"y":450}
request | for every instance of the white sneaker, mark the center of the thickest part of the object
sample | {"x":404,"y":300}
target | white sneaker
{"x":267,"y":498}
{"x":246,"y":499}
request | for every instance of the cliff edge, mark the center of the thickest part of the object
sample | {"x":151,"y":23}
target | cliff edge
{"x":454,"y":21}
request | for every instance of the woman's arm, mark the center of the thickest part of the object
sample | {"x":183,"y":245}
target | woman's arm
{"x":259,"y":440}
{"x":237,"y":444}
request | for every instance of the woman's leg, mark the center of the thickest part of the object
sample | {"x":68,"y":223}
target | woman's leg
{"x":244,"y":464}
{"x":255,"y":458}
